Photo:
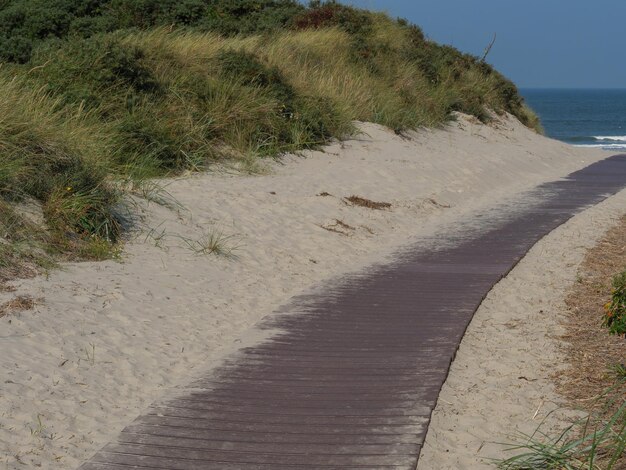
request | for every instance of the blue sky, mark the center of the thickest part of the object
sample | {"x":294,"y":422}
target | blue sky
{"x":540,"y":43}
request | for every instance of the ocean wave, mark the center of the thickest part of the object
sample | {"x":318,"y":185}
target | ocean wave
{"x":610,"y":138}
{"x":595,"y":138}
{"x":603,"y":146}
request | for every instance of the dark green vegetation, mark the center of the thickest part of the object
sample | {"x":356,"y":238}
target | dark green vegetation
{"x":615,"y":315}
{"x":26,"y":23}
{"x":99,"y":95}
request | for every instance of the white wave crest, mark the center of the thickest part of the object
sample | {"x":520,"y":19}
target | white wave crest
{"x":604,"y":146}
{"x":611,"y":138}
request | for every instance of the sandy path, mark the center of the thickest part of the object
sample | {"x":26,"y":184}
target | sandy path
{"x":109,"y":338}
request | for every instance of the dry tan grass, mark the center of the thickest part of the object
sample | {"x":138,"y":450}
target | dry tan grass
{"x":340,"y":227}
{"x":17,"y":304}
{"x":596,"y":441}
{"x":6,"y":288}
{"x":20,"y":269}
{"x":364,"y":202}
{"x":590,"y":350}
{"x":13,"y":266}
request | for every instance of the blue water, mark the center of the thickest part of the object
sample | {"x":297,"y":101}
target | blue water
{"x":586,"y":118}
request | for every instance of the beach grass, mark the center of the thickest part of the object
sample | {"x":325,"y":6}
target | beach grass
{"x":594,"y":380}
{"x":124,"y":93}
{"x":595,"y":442}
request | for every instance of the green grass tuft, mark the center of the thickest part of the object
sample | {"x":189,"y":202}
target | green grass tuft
{"x":594,"y":443}
{"x":615,"y":309}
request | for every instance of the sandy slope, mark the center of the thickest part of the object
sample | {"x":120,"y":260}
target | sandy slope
{"x":109,"y":338}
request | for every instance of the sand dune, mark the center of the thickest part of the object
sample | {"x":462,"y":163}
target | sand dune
{"x":109,"y":338}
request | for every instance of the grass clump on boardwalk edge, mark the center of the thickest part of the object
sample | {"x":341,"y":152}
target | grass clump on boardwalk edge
{"x":101,"y":92}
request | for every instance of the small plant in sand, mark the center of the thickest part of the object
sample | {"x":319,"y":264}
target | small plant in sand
{"x":90,"y":354}
{"x":213,"y":242}
{"x":39,"y":429}
{"x":618,"y":371}
{"x":591,"y":443}
{"x":615,"y":309}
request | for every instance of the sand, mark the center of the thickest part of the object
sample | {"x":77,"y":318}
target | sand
{"x":107,"y":339}
{"x":500,"y":381}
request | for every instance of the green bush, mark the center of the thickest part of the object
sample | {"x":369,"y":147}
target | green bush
{"x":248,"y":70}
{"x":365,"y":51}
{"x":615,"y":309}
{"x":148,"y":13}
{"x":329,"y":14}
{"x":230,"y":17}
{"x":320,"y":119}
{"x":142,"y":134}
{"x":436,"y":62}
{"x":26,"y":23}
{"x":15,"y":49}
{"x":94,"y":72}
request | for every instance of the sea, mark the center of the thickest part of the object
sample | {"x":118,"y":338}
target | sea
{"x":585,"y":118}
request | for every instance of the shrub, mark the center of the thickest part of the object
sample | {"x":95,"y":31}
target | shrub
{"x":87,"y":26}
{"x":320,"y":119}
{"x":15,"y":49}
{"x":140,"y":133}
{"x":94,"y":72}
{"x":227,"y":17}
{"x":331,"y":14}
{"x":144,"y":14}
{"x":615,"y":309}
{"x":230,"y":17}
{"x":365,"y":51}
{"x":435,"y":61}
{"x":248,"y":70}
{"x":26,"y":23}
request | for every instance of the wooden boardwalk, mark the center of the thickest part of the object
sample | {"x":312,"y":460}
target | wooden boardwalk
{"x":352,"y":375}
